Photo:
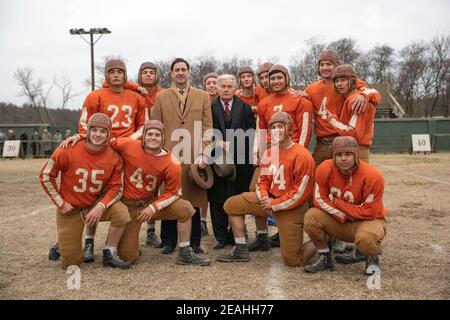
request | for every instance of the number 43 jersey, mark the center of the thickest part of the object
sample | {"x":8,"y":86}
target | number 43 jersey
{"x":287,"y":175}
{"x":85,"y":176}
{"x":126,"y":110}
{"x":145,"y":172}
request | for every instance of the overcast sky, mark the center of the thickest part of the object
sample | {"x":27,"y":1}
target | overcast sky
{"x":36,"y":33}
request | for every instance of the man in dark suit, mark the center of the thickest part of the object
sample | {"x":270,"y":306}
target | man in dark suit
{"x":230,"y":113}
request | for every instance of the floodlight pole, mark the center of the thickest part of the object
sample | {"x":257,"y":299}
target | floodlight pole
{"x":91,"y":33}
{"x":92,"y":63}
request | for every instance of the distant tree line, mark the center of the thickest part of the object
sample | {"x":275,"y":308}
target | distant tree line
{"x":28,"y":114}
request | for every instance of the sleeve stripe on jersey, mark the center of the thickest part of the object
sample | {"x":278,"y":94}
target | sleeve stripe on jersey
{"x":83,"y":119}
{"x":119,"y":195}
{"x":258,"y":193}
{"x":147,"y":116}
{"x":337,"y":124}
{"x":165,"y":203}
{"x":286,"y":204}
{"x":305,"y":124}
{"x":49,"y":186}
{"x":137,"y":134}
{"x":369,"y":91}
{"x":326,"y":207}
{"x":369,"y":199}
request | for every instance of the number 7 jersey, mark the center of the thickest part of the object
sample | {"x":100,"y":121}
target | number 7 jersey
{"x":85,"y":176}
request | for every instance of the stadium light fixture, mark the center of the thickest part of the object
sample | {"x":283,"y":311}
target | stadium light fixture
{"x":91,"y":43}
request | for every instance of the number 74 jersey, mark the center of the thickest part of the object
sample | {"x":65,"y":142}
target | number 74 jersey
{"x":287,"y":175}
{"x":85,"y":176}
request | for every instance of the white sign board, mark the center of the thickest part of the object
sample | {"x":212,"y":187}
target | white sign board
{"x":11,"y":148}
{"x":421,"y":142}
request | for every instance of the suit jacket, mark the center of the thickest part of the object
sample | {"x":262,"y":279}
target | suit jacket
{"x":197,"y":114}
{"x":243,"y":118}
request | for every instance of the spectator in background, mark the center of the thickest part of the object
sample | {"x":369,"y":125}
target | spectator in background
{"x":2,"y":141}
{"x":11,"y":135}
{"x":35,"y":137}
{"x":24,"y":144}
{"x":57,"y":138}
{"x":68,"y":133}
{"x":46,"y":143}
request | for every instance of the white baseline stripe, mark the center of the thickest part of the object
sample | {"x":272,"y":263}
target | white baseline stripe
{"x":410,"y":173}
{"x":33,"y":213}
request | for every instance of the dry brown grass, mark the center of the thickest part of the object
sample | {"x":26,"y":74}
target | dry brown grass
{"x":415,"y":263}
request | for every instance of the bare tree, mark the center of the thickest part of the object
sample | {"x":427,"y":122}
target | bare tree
{"x":201,"y":66}
{"x":303,"y":67}
{"x":438,"y":62}
{"x":411,"y":65}
{"x":363,"y":67}
{"x":381,"y":59}
{"x":25,"y":78}
{"x":347,"y":50}
{"x":66,"y":90}
{"x":165,"y":77}
{"x":35,"y":92}
{"x":231,"y":66}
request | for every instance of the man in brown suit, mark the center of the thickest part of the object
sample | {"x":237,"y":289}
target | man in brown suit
{"x":186,"y":114}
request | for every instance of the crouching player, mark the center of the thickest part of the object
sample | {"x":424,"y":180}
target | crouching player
{"x":147,"y":167}
{"x":283,"y":188}
{"x":348,"y":199}
{"x":91,"y":185}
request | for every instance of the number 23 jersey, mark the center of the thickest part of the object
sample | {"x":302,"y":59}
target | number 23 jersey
{"x":126,"y":110}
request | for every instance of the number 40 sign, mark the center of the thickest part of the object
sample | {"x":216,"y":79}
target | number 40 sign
{"x":421,"y":142}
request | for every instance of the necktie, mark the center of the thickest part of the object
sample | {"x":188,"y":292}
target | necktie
{"x":181,"y":91}
{"x":228,"y":111}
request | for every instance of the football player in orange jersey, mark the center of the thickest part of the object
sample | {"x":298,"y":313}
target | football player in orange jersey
{"x":126,"y":108}
{"x":301,"y":111}
{"x":210,"y":85}
{"x":324,"y":97}
{"x":247,"y":87}
{"x":147,"y":167}
{"x":348,"y":199}
{"x":263,"y":88}
{"x":349,"y":123}
{"x":89,"y":192}
{"x":284,"y":186}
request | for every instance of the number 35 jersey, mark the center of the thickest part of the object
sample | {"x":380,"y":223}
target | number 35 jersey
{"x":85,"y":176}
{"x":145,"y":172}
{"x":287,"y":175}
{"x":126,"y":110}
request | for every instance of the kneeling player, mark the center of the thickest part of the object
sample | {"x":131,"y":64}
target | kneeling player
{"x":284,"y":186}
{"x":147,"y":166}
{"x":348,"y":201}
{"x":91,"y":185}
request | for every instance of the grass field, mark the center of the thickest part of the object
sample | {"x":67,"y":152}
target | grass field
{"x":415,"y":263}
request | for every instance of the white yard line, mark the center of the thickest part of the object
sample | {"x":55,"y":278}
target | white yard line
{"x":33,"y":213}
{"x":410,"y":173}
{"x":275,"y":282}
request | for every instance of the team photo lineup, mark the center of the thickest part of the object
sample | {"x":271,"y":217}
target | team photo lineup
{"x":238,"y":147}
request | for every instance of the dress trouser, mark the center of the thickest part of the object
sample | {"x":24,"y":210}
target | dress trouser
{"x":219,"y":220}
{"x":169,"y":234}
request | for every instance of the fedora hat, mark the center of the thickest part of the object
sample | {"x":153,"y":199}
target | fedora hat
{"x":204,"y":178}
{"x":226,"y":167}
